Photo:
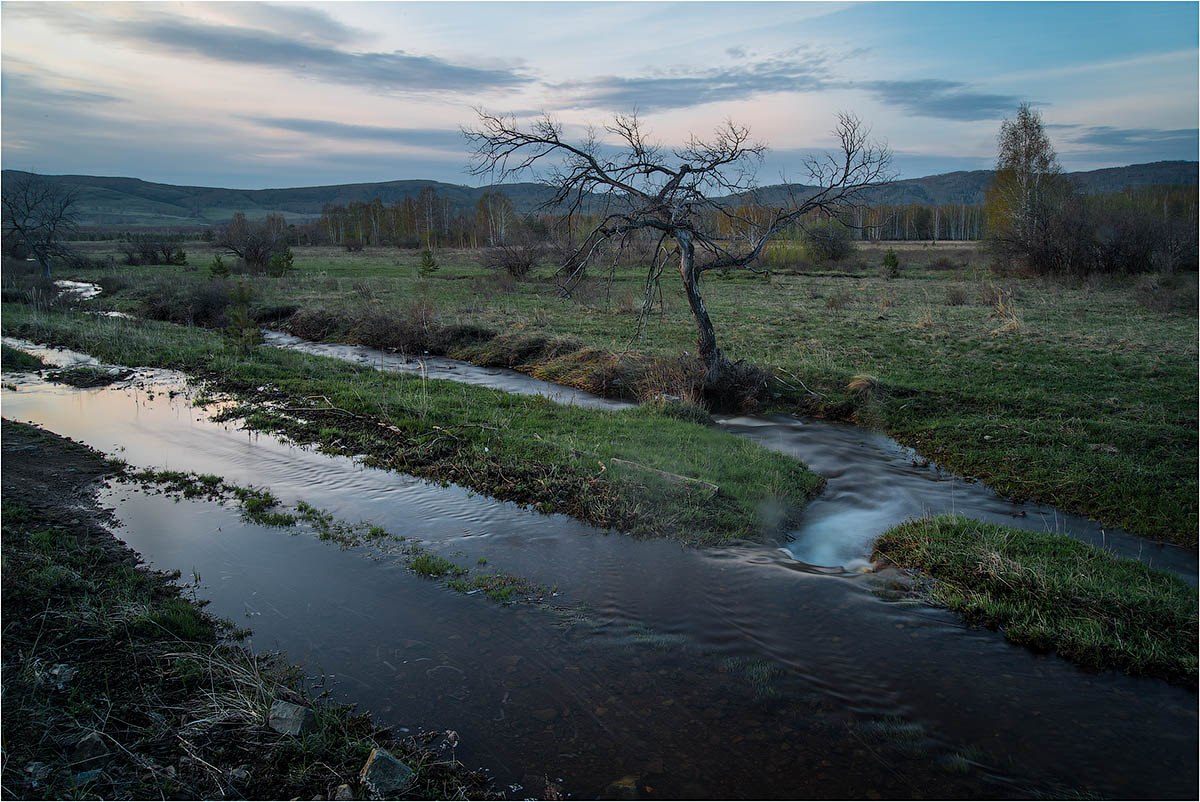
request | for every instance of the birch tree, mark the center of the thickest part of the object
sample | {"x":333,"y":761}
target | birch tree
{"x":1027,"y":189}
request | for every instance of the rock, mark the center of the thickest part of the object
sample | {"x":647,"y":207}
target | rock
{"x":291,"y":719}
{"x":90,"y":749}
{"x":343,"y":792}
{"x":38,"y":772}
{"x":62,"y":673}
{"x":86,"y":776}
{"x":384,"y":774}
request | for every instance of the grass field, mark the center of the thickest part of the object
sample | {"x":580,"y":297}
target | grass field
{"x":604,"y":467}
{"x":1054,"y":594}
{"x":1079,"y":394}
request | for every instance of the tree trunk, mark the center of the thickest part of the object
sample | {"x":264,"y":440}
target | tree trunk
{"x":706,"y":336}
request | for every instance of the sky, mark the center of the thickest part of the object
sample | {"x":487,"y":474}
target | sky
{"x":257,"y":95}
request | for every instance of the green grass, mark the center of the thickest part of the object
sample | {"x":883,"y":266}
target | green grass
{"x":522,"y":448}
{"x":434,"y":566}
{"x":13,"y":359}
{"x":1054,"y":594}
{"x":1081,"y":395}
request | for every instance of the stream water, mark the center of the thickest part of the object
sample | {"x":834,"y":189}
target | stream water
{"x":873,"y":482}
{"x":658,"y":671}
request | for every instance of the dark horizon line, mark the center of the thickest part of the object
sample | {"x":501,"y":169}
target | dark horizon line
{"x":519,"y":183}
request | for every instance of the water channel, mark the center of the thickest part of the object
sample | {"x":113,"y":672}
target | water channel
{"x":657,"y":671}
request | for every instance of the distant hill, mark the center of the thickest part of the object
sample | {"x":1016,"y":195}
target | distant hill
{"x":131,"y":202}
{"x":969,"y":186}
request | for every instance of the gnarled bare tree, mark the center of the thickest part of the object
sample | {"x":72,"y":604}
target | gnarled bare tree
{"x":38,"y":215}
{"x":692,"y":197}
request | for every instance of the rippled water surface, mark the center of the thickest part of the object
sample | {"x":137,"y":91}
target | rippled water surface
{"x":873,"y":482}
{"x":657,"y":670}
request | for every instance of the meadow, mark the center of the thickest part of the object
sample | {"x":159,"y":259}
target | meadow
{"x":1079,"y":393}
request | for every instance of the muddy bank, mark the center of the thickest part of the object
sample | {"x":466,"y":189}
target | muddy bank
{"x":133,"y":690}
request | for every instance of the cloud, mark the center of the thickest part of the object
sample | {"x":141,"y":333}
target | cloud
{"x":42,"y":90}
{"x":934,"y":97}
{"x":287,"y":20}
{"x":680,"y":89}
{"x":309,"y":56}
{"x":1129,"y":145}
{"x":437,"y":138}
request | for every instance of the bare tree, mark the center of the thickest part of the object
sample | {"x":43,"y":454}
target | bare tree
{"x":255,"y":243}
{"x":39,"y":216}
{"x":674,"y":193}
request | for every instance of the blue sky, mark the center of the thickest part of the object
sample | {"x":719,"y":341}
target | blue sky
{"x":292,"y":94}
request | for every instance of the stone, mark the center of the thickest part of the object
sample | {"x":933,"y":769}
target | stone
{"x":90,"y":749}
{"x":86,"y":776}
{"x":384,"y":774}
{"x":343,"y":792}
{"x":291,"y":719}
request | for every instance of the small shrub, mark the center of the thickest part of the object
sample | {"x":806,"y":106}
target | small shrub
{"x":942,"y":262}
{"x":242,"y":330}
{"x":891,"y":265}
{"x":218,"y":268}
{"x":353,"y":245}
{"x":828,"y":241}
{"x":282,"y":263}
{"x":516,"y":259}
{"x":428,"y":265}
{"x":956,"y":295}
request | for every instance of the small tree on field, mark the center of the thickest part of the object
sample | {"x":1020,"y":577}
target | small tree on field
{"x":428,"y":264}
{"x":673,"y":193}
{"x":38,"y":216}
{"x":255,"y":242}
{"x":1027,"y":191}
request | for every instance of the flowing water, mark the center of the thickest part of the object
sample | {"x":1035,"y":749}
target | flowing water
{"x":657,"y":671}
{"x":873,"y":482}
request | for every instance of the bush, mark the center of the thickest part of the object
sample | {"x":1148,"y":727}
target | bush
{"x":191,"y":304}
{"x":828,"y":241}
{"x":891,"y":265}
{"x":517,"y":259}
{"x":282,"y":263}
{"x":428,"y":264}
{"x":218,"y":268}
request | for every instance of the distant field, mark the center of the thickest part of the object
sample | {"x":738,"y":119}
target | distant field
{"x":1081,"y":395}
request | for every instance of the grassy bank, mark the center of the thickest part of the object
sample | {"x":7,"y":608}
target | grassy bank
{"x":1054,"y":594}
{"x":1081,"y":395}
{"x":117,"y":686}
{"x":631,"y":470}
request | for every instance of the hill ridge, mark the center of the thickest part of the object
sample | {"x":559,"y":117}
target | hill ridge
{"x":134,"y":202}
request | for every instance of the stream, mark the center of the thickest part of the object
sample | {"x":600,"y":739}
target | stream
{"x":657,"y":670}
{"x":872,"y":482}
